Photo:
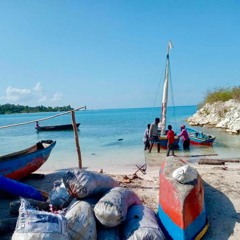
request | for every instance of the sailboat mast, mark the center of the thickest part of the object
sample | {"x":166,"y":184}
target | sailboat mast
{"x":165,"y":92}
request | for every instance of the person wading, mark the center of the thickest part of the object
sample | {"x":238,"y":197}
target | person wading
{"x":154,"y":135}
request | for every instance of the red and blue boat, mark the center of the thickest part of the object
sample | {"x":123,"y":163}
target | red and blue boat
{"x":181,"y":207}
{"x":200,"y":138}
{"x":20,"y":164}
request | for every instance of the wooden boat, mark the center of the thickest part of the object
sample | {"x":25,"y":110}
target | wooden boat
{"x":163,"y":136}
{"x":181,"y":207}
{"x":200,"y":138}
{"x":20,"y":164}
{"x":20,"y":189}
{"x":56,"y":127}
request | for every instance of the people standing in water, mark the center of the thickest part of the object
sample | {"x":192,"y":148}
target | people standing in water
{"x":146,"y":138}
{"x":170,"y":143}
{"x":185,"y":138}
{"x":154,"y":135}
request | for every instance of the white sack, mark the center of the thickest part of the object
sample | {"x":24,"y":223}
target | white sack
{"x":81,"y":183}
{"x":81,"y":222}
{"x":112,"y":208}
{"x":59,"y":196}
{"x":185,"y":174}
{"x":39,"y":225}
{"x":141,"y":223}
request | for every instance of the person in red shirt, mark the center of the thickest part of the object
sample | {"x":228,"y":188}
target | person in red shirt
{"x":170,"y":137}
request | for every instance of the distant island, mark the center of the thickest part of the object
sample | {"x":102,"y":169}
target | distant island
{"x":11,"y":108}
{"x":220,"y":109}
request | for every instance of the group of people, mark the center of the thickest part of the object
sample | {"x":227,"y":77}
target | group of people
{"x":152,"y":133}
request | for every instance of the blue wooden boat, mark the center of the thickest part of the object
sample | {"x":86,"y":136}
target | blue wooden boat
{"x":56,"y":127}
{"x":20,"y":189}
{"x":20,"y":164}
{"x":181,"y":207}
{"x":164,"y":141}
{"x":200,"y":138}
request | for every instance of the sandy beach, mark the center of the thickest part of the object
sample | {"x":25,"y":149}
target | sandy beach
{"x":221,"y":184}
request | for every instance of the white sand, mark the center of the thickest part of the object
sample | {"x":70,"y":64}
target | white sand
{"x":221,"y":184}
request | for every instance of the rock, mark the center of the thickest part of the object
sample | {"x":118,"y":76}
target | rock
{"x":224,"y":115}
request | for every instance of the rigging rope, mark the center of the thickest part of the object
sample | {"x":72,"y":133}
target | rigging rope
{"x":157,"y":93}
{"x":42,"y":119}
{"x":171,"y":86}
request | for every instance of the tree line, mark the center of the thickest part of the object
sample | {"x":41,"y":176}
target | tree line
{"x":11,"y":108}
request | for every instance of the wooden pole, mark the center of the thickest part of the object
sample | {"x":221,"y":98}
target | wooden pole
{"x":76,"y":140}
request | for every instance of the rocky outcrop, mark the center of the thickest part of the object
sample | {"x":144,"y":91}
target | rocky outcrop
{"x":225,"y":115}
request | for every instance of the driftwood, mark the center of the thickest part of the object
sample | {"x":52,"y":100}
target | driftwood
{"x":217,"y":161}
{"x":7,"y":225}
{"x":14,"y":206}
{"x":201,"y":155}
{"x":231,"y":160}
{"x":211,"y":162}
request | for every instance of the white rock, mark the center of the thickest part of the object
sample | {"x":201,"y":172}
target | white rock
{"x":225,"y":115}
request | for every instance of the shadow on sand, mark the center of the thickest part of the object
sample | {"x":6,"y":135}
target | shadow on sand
{"x":221,"y":213}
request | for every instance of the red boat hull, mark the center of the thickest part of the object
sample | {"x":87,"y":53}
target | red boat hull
{"x":20,"y":164}
{"x":181,"y":207}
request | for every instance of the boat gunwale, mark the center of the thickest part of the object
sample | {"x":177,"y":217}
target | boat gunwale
{"x":31,"y":150}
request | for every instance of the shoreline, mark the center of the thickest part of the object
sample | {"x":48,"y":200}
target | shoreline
{"x":221,"y":185}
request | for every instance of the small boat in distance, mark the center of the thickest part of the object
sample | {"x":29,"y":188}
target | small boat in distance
{"x":181,"y":206}
{"x":56,"y":127}
{"x":20,"y":164}
{"x":200,"y":138}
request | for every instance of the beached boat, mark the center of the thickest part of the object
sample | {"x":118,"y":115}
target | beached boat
{"x":181,"y":207}
{"x":200,"y":138}
{"x":163,"y":137}
{"x":56,"y":127}
{"x":18,"y":188}
{"x":20,"y":164}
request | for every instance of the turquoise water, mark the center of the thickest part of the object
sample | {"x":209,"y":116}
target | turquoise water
{"x":99,"y":133}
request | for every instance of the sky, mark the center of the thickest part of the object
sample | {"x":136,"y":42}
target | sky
{"x":111,"y":54}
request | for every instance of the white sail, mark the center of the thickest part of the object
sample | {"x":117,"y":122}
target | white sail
{"x":165,"y":92}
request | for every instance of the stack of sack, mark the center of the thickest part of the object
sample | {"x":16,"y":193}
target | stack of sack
{"x":88,"y":205}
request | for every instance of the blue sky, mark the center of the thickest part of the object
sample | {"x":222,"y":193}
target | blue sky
{"x":111,"y":54}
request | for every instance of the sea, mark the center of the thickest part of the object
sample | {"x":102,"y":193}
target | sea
{"x":108,"y":138}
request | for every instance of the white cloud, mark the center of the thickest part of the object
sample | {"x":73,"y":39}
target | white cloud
{"x":16,"y":94}
{"x":29,"y":96}
{"x":57,"y":97}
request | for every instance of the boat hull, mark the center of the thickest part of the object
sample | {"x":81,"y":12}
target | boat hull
{"x":20,"y":164}
{"x":19,"y":189}
{"x":196,"y":141}
{"x":57,"y":127}
{"x":164,"y":141}
{"x":181,"y":207}
{"x":199,"y":138}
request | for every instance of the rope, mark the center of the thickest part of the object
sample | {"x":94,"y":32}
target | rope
{"x":42,"y":119}
{"x":172,"y":96}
